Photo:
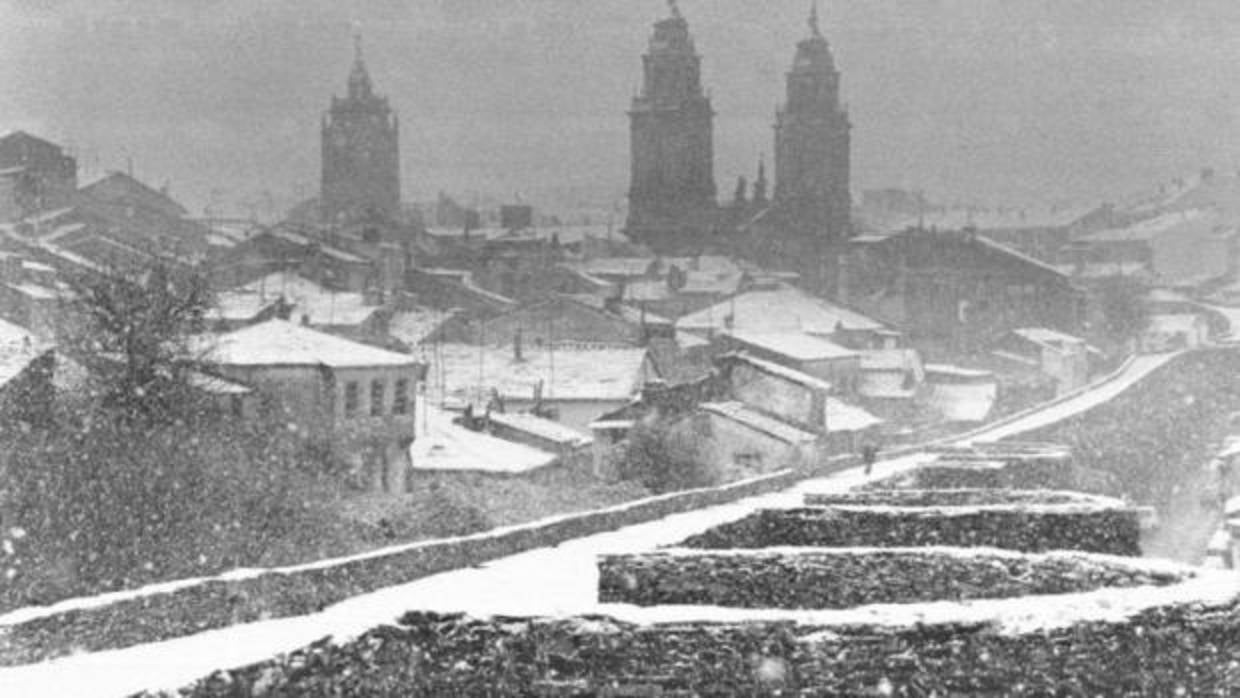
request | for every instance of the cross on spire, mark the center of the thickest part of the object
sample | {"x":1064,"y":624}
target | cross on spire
{"x":813,"y":19}
{"x":357,"y":44}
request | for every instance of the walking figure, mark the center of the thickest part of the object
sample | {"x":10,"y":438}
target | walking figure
{"x":869,"y":454}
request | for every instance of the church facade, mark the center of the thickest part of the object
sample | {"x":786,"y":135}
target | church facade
{"x":361,"y":153}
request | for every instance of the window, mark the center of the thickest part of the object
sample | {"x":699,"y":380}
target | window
{"x":400,"y":397}
{"x":350,"y":398}
{"x":376,"y":397}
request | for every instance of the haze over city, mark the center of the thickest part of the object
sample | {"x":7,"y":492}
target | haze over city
{"x":970,"y":100}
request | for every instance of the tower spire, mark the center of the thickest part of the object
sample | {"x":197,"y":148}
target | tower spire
{"x":359,"y":78}
{"x":675,"y":8}
{"x":813,"y":20}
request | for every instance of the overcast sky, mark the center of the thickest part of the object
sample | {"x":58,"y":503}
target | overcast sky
{"x":1004,"y":101}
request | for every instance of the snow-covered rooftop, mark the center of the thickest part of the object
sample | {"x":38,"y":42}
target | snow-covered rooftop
{"x":1046,"y":337}
{"x":1175,"y":323}
{"x":784,"y":309}
{"x":470,"y":372}
{"x":441,"y":445}
{"x":958,"y":372}
{"x":782,"y":371}
{"x":18,"y":347}
{"x":324,"y":306}
{"x":964,"y":402}
{"x":544,"y":428}
{"x":618,"y":266}
{"x":794,"y":345}
{"x":216,"y":385}
{"x":413,"y":326}
{"x":843,"y":417}
{"x":282,"y":343}
{"x":741,"y":414}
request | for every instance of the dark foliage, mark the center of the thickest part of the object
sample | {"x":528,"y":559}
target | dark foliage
{"x":1150,"y":438}
{"x":105,"y":504}
{"x":1121,"y":303}
{"x":663,"y":462}
{"x":132,"y":330}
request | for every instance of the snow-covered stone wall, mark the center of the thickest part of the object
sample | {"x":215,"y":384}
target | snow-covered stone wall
{"x":962,"y":497}
{"x":951,"y":474}
{"x":1187,"y":649}
{"x":1024,"y":527}
{"x":820,"y":579}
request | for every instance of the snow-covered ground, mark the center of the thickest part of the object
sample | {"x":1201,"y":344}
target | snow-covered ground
{"x":562,"y":580}
{"x":547,"y":581}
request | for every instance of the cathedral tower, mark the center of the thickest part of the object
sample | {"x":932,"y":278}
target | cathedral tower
{"x":361,"y":152}
{"x":673,"y":183}
{"x":813,"y":144}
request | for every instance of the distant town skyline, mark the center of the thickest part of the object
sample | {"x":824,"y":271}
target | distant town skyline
{"x":971,"y":100}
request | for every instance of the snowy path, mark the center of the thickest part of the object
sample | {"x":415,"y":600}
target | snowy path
{"x":548,"y":581}
{"x":558,"y":580}
{"x":1139,"y":368}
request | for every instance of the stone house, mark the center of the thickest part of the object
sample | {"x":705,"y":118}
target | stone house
{"x":955,"y":287}
{"x":806,"y":353}
{"x":356,"y":399}
{"x":35,"y":175}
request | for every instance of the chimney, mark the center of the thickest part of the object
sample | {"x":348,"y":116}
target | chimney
{"x":305,"y":320}
{"x":516,"y":346}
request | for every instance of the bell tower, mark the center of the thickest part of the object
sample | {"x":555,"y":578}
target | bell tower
{"x":671,"y":129}
{"x":361,"y":152}
{"x":813,"y":143}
